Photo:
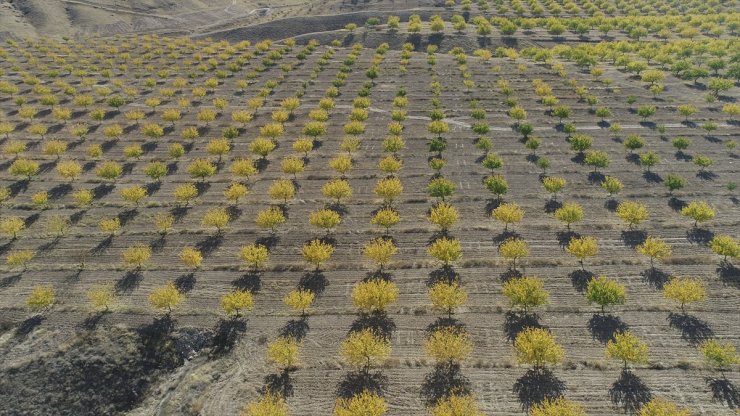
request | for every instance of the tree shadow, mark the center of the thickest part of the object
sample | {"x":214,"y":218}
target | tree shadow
{"x":516,"y":322}
{"x":633,"y":158}
{"x":596,"y":177}
{"x":158,"y":244}
{"x":492,"y":204}
{"x":269,"y":241}
{"x":226,"y":334}
{"x":611,"y":204}
{"x":103,"y":245}
{"x":356,"y":382}
{"x":210,"y":244}
{"x":129,"y":281}
{"x":603,"y":327}
{"x":706,"y":175}
{"x":724,"y":391}
{"x":446,"y":274}
{"x":250,"y":281}
{"x":564,"y":237}
{"x":234,"y":212}
{"x":153,"y":187}
{"x":505,"y":235}
{"x":339,"y":208}
{"x":185,"y":283}
{"x":633,"y":238}
{"x":536,"y":386}
{"x":295,"y":328}
{"x":157,"y":342}
{"x":509,"y":274}
{"x":676,"y":204}
{"x":18,"y":186}
{"x":377,"y":321}
{"x":92,"y":321}
{"x":127,"y":216}
{"x":10,"y":280}
{"x":445,"y":322}
{"x":314,"y":281}
{"x":655,"y":277}
{"x":279,"y":383}
{"x":579,"y":279}
{"x":699,"y":236}
{"x":59,"y":191}
{"x":629,"y":392}
{"x":652,"y":177}
{"x":378,"y":275}
{"x":179,"y":213}
{"x":552,"y":205}
{"x":693,"y":330}
{"x":728,"y":273}
{"x":444,"y":380}
{"x":684,"y":157}
{"x":28,"y":325}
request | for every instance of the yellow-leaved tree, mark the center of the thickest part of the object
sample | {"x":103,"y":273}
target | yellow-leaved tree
{"x":165,"y":297}
{"x":538,"y":347}
{"x":365,"y":348}
{"x":365,"y":404}
{"x":448,"y":345}
{"x":374,"y":295}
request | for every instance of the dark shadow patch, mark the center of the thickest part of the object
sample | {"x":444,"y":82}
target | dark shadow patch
{"x":580,"y":278}
{"x":9,"y":281}
{"x":356,"y":382}
{"x":261,"y":165}
{"x":652,"y":177}
{"x":676,"y":204}
{"x":76,"y":217}
{"x":314,"y":281}
{"x":693,"y":330}
{"x":445,"y":379}
{"x":706,"y":175}
{"x":603,"y":327}
{"x":492,"y":204}
{"x":152,"y":188}
{"x":103,"y":245}
{"x":18,"y":187}
{"x":552,"y":205}
{"x":250,"y":281}
{"x":728,"y":273}
{"x":269,"y":242}
{"x":633,"y":158}
{"x":59,"y":191}
{"x":129,"y":281}
{"x":655,"y":277}
{"x":505,"y":235}
{"x":564,"y":237}
{"x":234,"y":212}
{"x":684,"y":157}
{"x":30,"y":220}
{"x":280,"y":384}
{"x":633,"y":238}
{"x":126,"y":217}
{"x":611,"y":204}
{"x":295,"y":328}
{"x":629,"y":392}
{"x":179,"y":213}
{"x":536,"y":386}
{"x":202,"y":187}
{"x":379,"y":322}
{"x":185,"y":283}
{"x":516,"y":322}
{"x":699,"y":236}
{"x":596,"y":177}
{"x":509,"y":274}
{"x":444,"y":322}
{"x":724,"y":391}
{"x":445,"y":274}
{"x":91,"y":322}
{"x":28,"y":325}
{"x":210,"y":244}
{"x":103,"y":190}
{"x":226,"y":334}
{"x":579,"y":158}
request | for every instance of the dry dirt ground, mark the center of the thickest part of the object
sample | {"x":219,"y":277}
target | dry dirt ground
{"x":136,"y":362}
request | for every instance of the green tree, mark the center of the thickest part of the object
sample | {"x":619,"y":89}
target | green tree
{"x":605,"y":292}
{"x":525,"y":292}
{"x":627,"y":348}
